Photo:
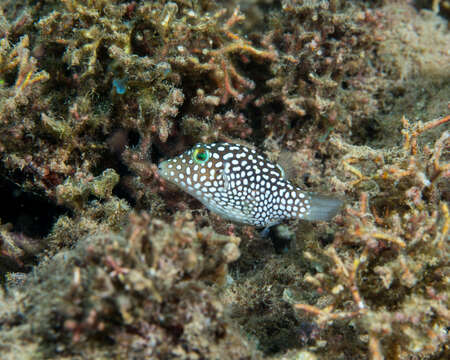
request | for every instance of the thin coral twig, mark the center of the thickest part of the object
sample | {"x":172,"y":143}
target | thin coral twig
{"x":411,"y":132}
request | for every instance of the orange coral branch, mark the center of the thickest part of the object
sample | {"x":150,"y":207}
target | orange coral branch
{"x":417,"y":129}
{"x":375,"y":347}
{"x":388,"y":237}
{"x":324,"y":314}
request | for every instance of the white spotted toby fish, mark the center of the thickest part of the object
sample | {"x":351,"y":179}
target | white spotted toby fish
{"x":243,"y":186}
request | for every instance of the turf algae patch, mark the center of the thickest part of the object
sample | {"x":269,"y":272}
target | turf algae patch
{"x":141,"y":293}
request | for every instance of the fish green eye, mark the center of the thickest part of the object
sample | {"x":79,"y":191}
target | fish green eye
{"x":200,"y":155}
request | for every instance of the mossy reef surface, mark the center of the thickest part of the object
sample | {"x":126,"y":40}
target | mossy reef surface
{"x":102,"y":259}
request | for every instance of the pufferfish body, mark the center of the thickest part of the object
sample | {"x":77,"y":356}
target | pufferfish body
{"x":243,"y":186}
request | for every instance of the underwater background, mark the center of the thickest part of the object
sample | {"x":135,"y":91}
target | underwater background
{"x":100,"y":258}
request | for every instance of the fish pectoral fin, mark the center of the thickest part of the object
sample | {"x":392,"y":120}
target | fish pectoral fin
{"x":265,"y":232}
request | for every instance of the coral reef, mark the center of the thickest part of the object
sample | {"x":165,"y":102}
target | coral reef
{"x":393,"y":288}
{"x":144,"y":290}
{"x":101,"y":258}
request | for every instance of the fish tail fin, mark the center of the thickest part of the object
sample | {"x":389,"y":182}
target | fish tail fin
{"x":323,"y":208}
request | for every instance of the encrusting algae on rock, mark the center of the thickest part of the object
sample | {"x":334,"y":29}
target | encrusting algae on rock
{"x":243,"y":186}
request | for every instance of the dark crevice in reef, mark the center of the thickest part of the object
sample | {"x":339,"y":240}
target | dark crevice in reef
{"x":26,"y":218}
{"x":29,"y":213}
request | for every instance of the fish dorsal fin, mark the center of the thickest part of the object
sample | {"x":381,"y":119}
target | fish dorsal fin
{"x":286,"y":161}
{"x":281,"y":171}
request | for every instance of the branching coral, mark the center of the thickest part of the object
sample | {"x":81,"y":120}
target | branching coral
{"x":324,"y":50}
{"x":189,"y":55}
{"x":18,"y":60}
{"x":393,"y":288}
{"x":27,"y":117}
{"x":402,"y":167}
{"x":27,"y":72}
